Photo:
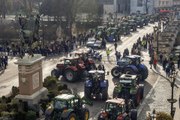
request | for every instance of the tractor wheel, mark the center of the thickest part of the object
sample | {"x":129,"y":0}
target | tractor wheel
{"x":145,"y":75}
{"x":136,"y":99}
{"x":115,"y":72}
{"x":85,"y":114}
{"x":115,"y":93}
{"x":87,"y":92}
{"x":54,"y":73}
{"x":70,"y":75}
{"x":130,"y":71}
{"x":141,"y":91}
{"x":133,"y":114}
{"x":104,"y":93}
{"x":72,"y":116}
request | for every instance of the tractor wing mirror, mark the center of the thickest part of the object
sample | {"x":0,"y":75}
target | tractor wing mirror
{"x":107,"y":72}
{"x":142,"y":60}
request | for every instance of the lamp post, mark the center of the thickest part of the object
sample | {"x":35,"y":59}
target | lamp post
{"x":172,"y":100}
{"x":156,"y":38}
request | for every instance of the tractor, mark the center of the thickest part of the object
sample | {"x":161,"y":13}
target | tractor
{"x":112,"y":34}
{"x":139,"y":22}
{"x":130,"y":65}
{"x":67,"y":107}
{"x":72,"y":69}
{"x":132,"y":25}
{"x":118,"y":109}
{"x":129,"y":87}
{"x":96,"y":87}
{"x":124,"y":28}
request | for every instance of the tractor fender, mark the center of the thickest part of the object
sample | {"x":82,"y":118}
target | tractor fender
{"x":104,"y":84}
{"x":66,"y":113}
{"x":141,"y":67}
{"x":143,"y":70}
{"x":88,"y":83}
{"x":74,"y":68}
{"x":118,"y":68}
{"x":133,"y":67}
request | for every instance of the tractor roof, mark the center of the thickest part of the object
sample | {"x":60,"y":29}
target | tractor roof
{"x":65,"y":97}
{"x":116,"y":100}
{"x":133,"y":56}
{"x":128,"y":77}
{"x":96,"y":71}
{"x":71,"y":58}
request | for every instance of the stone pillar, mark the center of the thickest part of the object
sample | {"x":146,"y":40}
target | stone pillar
{"x":30,"y":79}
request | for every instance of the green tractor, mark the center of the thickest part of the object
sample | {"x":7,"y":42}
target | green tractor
{"x":67,"y":107}
{"x":124,"y":28}
{"x":132,"y":25}
{"x":129,"y":87}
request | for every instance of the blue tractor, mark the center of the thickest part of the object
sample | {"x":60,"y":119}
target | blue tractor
{"x":130,"y":65}
{"x":96,"y":87}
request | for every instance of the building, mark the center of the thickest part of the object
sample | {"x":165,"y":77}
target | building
{"x":115,"y":6}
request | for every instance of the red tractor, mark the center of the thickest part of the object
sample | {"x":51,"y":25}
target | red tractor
{"x":118,"y":109}
{"x":88,"y":61}
{"x":72,"y":69}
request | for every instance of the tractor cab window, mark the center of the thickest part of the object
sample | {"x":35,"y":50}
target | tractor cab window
{"x":114,"y":108}
{"x":67,"y":62}
{"x":58,"y":104}
{"x":74,"y":103}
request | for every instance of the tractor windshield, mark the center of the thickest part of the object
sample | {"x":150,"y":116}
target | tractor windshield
{"x":59,"y":104}
{"x":114,"y":108}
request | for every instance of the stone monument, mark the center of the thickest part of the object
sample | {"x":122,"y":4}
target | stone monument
{"x":31,"y":87}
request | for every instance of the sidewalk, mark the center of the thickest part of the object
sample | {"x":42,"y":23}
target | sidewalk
{"x":176,"y":91}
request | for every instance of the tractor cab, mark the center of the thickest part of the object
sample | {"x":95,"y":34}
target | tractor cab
{"x":127,"y":80}
{"x":68,"y":106}
{"x":134,"y":59}
{"x":96,"y":74}
{"x":117,"y":109}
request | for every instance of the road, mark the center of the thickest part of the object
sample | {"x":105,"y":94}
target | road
{"x":10,"y":77}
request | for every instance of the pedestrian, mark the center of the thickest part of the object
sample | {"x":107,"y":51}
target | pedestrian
{"x":115,"y":46}
{"x":118,"y":55}
{"x":168,"y":70}
{"x":108,"y":53}
{"x":165,"y":61}
{"x":155,"y":63}
{"x":161,"y":58}
{"x":151,"y":62}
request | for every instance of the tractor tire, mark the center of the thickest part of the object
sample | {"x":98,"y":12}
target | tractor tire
{"x":136,"y":99}
{"x":130,"y":71}
{"x":87,"y":92}
{"x":72,"y":116}
{"x":141,"y":91}
{"x":133,"y":114}
{"x":145,"y":72}
{"x":104,"y":94}
{"x":115,"y":72}
{"x":115,"y":94}
{"x":70,"y":75}
{"x":83,"y":74}
{"x":55,"y":73}
{"x":85,"y":114}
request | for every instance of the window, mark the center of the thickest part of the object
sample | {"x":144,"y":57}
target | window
{"x":139,"y":3}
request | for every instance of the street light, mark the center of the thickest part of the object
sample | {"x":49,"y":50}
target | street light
{"x":172,"y":100}
{"x":156,"y":29}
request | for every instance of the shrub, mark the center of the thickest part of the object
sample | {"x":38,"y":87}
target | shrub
{"x":3,"y":107}
{"x":31,"y":115}
{"x":15,"y":91}
{"x":163,"y":116}
{"x":50,"y":82}
{"x":8,"y":114}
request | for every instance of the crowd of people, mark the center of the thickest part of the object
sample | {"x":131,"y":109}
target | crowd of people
{"x":3,"y":62}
